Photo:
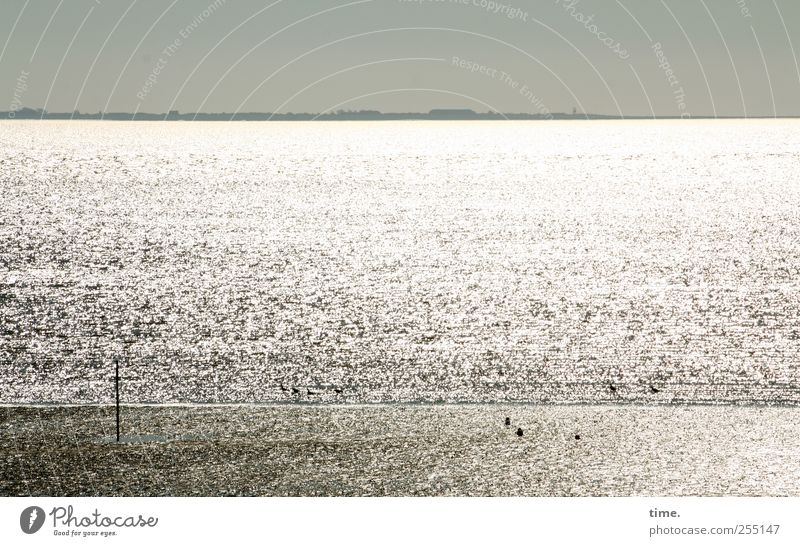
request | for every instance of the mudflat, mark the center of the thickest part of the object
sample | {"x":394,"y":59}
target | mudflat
{"x":399,"y":450}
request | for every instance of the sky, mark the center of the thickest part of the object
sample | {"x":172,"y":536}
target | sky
{"x":619,"y":57}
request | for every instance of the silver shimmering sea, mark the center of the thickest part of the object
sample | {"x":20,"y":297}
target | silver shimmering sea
{"x":352,"y":308}
{"x":400,"y":261}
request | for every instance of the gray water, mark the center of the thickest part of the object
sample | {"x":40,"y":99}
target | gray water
{"x":398,"y":450}
{"x":409,"y":261}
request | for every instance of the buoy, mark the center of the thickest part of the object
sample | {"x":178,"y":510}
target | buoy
{"x":519,"y":432}
{"x":508,"y":421}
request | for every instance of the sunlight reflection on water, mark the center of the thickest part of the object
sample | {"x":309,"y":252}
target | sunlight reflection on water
{"x":409,"y":261}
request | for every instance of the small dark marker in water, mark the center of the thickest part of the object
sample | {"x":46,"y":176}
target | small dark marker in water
{"x":283,"y":388}
{"x":654,"y":390}
{"x":519,"y":432}
{"x":337,"y":390}
{"x":508,"y":421}
{"x":612,"y":387}
{"x":577,"y":436}
{"x":310,"y":392}
{"x":295,"y":390}
{"x":116,"y":383}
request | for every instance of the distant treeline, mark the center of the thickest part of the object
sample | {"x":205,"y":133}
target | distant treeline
{"x":174,"y":115}
{"x":344,"y":115}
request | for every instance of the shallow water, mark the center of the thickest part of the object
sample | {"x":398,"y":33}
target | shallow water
{"x":409,"y":261}
{"x":401,"y":450}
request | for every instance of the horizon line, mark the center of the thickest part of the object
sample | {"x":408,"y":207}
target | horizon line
{"x":438,"y":114}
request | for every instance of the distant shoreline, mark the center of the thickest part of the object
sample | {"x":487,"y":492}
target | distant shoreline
{"x":359,"y":115}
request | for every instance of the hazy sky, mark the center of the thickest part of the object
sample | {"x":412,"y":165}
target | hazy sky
{"x":635,"y":57}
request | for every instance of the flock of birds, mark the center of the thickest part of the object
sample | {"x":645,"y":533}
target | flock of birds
{"x":295,"y":391}
{"x":338,"y":390}
{"x":653,"y":390}
{"x":611,"y":387}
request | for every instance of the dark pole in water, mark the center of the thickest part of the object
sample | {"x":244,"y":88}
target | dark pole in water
{"x":116,"y":383}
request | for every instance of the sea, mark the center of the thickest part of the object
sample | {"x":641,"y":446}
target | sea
{"x":416,"y":262}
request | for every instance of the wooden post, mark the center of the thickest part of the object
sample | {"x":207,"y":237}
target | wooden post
{"x":116,"y":383}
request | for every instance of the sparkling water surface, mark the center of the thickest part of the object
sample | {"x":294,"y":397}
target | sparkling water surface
{"x":353,"y":262}
{"x":401,"y":449}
